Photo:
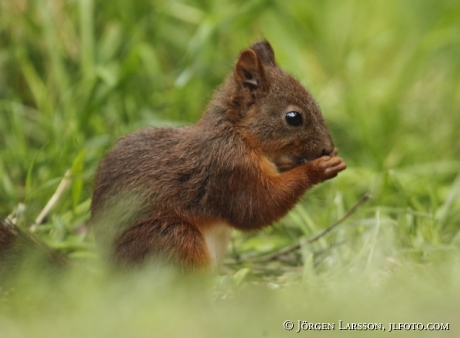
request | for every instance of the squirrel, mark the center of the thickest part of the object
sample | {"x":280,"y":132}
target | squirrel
{"x":173,"y":195}
{"x":18,"y":248}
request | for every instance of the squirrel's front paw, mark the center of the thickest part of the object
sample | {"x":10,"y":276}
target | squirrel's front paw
{"x":324,"y":168}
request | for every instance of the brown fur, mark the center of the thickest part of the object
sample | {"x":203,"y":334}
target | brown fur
{"x":158,"y":189}
{"x":18,"y":247}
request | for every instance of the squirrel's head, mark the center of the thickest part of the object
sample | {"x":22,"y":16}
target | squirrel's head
{"x":275,"y":112}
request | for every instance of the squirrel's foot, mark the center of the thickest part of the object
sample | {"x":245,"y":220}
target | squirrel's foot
{"x":325,"y":168}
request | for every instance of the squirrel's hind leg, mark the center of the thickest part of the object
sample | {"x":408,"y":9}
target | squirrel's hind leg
{"x":163,"y":240}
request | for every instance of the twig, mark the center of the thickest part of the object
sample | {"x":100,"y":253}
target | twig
{"x":17,"y":211}
{"x":63,"y":185}
{"x":297,"y":246}
{"x":344,"y":217}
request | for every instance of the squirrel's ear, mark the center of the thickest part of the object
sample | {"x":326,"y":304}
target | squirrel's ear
{"x":249,"y":71}
{"x":265,"y":52}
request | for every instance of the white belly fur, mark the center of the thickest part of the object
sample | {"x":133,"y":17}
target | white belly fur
{"x":217,"y":237}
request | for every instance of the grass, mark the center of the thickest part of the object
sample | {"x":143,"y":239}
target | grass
{"x":75,"y":76}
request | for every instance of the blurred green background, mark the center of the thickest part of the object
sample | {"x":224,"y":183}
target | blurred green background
{"x":76,"y":75}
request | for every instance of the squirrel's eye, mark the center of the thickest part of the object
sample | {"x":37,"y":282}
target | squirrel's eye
{"x":293,"y":118}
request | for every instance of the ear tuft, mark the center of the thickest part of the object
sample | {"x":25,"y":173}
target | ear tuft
{"x":248,"y":70}
{"x":265,"y":52}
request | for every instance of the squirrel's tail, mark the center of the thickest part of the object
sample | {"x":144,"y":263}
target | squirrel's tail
{"x":18,"y":247}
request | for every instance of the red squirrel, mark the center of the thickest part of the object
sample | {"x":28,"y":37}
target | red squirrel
{"x":18,"y":246}
{"x":174,"y":194}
